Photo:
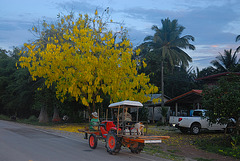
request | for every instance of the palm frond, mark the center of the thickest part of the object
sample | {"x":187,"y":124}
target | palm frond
{"x":237,"y":38}
{"x":148,"y":38}
{"x":218,"y":65}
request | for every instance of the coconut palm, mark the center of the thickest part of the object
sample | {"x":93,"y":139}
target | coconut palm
{"x":226,"y":62}
{"x":167,"y":42}
{"x":169,"y":45}
{"x":237,"y":39}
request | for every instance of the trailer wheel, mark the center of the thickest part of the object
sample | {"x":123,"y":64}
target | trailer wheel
{"x":136,"y":148}
{"x":113,"y":144}
{"x":92,"y":141}
{"x":195,"y":129}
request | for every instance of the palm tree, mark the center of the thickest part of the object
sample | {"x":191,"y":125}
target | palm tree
{"x":226,"y":62}
{"x":168,"y":44}
{"x":237,"y":39}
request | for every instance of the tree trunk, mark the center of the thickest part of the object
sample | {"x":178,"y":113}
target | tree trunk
{"x":89,"y":113}
{"x":56,"y":117}
{"x":163,"y":120}
{"x":162,"y":86}
{"x":43,"y":116}
{"x":238,"y":126}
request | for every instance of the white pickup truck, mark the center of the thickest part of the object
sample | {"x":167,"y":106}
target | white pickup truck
{"x":198,"y":122}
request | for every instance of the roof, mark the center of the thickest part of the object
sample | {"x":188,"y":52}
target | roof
{"x":216,"y":76}
{"x":188,"y":97}
{"x":126,"y":103}
{"x":154,"y":96}
{"x":150,"y":103}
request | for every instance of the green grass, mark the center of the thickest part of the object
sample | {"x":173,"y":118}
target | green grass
{"x":173,"y":151}
{"x":32,"y":120}
{"x":202,"y":159}
{"x":220,"y":145}
{"x":157,"y":151}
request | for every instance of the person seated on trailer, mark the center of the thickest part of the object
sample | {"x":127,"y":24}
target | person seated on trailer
{"x":125,"y":115}
{"x":94,"y":122}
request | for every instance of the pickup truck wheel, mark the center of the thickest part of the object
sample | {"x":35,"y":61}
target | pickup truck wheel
{"x":183,"y":130}
{"x":195,"y":129}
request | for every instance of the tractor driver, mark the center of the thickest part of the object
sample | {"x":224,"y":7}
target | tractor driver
{"x":125,"y":115}
{"x":94,"y":122}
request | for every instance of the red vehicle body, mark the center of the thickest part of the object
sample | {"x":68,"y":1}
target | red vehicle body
{"x":121,"y":133}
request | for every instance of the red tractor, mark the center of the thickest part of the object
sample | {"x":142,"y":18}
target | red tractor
{"x":122,"y":132}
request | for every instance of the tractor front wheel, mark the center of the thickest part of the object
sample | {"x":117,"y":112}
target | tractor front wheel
{"x":113,"y":144}
{"x":93,"y":141}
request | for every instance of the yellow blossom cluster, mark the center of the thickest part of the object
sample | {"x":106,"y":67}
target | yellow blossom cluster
{"x":82,"y":58}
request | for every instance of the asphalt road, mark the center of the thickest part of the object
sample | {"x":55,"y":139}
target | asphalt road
{"x":19,"y":142}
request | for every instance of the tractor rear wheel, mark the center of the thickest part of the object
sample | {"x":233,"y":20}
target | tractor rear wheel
{"x":136,"y":147}
{"x":113,"y":144}
{"x":92,"y":141}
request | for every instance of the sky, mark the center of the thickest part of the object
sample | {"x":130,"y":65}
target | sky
{"x":213,"y":23}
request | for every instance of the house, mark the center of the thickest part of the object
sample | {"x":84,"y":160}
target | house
{"x":212,"y":79}
{"x":154,"y":109}
{"x":183,"y":105}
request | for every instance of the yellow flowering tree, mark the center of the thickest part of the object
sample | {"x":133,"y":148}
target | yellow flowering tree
{"x":83,"y":58}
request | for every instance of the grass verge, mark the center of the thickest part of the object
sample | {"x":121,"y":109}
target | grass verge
{"x":154,"y":149}
{"x":223,"y":145}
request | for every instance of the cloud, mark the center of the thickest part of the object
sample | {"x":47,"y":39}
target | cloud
{"x":79,"y":6}
{"x":206,"y":23}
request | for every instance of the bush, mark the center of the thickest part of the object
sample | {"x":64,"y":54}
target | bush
{"x":160,"y":123}
{"x":4,"y":117}
{"x":32,"y":119}
{"x":226,"y":145}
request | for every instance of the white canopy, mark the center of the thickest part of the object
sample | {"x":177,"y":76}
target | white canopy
{"x":126,"y":103}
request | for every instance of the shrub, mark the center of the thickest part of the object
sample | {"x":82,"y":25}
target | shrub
{"x":32,"y":119}
{"x":4,"y":117}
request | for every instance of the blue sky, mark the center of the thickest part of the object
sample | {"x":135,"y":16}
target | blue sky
{"x":214,"y":23}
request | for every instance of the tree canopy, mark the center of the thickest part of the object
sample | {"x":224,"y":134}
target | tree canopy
{"x":226,"y":62}
{"x":222,"y":101}
{"x":168,"y":43}
{"x":82,"y":57}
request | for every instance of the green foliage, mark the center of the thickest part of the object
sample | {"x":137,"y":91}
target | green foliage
{"x":166,"y":47}
{"x":222,"y":101}
{"x":168,"y":44}
{"x":206,"y":72}
{"x":164,"y":111}
{"x":235,"y":151}
{"x":33,"y":119}
{"x":202,"y":159}
{"x":160,"y":123}
{"x":221,"y":145}
{"x":143,"y":114}
{"x":4,"y":117}
{"x":226,"y":62}
{"x":16,"y":87}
